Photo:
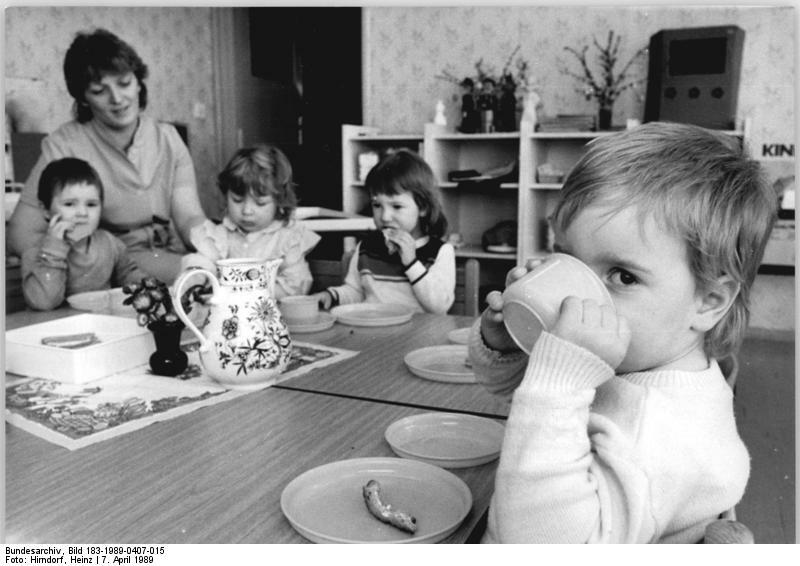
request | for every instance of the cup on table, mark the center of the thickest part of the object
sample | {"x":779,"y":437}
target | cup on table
{"x":299,"y":308}
{"x":531,"y":303}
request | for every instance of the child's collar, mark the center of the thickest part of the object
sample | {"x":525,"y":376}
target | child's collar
{"x":229,"y":224}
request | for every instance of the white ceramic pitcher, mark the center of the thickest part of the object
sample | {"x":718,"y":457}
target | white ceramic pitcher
{"x":244,"y":343}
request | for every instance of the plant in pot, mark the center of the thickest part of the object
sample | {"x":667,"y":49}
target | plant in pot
{"x":152,"y":302}
{"x":606,"y":86}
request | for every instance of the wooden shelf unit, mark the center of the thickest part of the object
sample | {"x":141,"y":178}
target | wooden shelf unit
{"x":471,"y":211}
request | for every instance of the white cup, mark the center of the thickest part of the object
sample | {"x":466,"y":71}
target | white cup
{"x":531,"y":304}
{"x":299,"y":308}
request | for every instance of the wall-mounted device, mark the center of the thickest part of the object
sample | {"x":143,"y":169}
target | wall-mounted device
{"x":693,"y":76}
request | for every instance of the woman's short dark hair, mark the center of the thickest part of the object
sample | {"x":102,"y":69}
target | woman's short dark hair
{"x":66,"y":171}
{"x":93,"y":55}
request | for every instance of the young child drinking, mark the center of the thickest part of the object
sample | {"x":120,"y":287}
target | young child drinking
{"x":621,"y":426}
{"x":405,"y":261}
{"x":257,"y":184}
{"x":75,"y":255}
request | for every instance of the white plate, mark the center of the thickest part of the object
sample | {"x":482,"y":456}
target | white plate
{"x":501,"y":249}
{"x":441,"y":363}
{"x":325,"y":504}
{"x":449,"y":440}
{"x":323,"y":321}
{"x":459,"y":335}
{"x":106,"y":301}
{"x":372,"y":314}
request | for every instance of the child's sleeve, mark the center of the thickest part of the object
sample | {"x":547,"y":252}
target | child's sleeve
{"x":44,"y":274}
{"x":351,"y":291}
{"x":294,"y":275}
{"x":434,"y":286}
{"x":499,"y":372}
{"x":550,"y":484}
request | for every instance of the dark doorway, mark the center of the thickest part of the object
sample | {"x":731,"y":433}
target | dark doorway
{"x":315,"y":54}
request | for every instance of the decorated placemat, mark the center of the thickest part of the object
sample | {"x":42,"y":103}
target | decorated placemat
{"x":78,"y":415}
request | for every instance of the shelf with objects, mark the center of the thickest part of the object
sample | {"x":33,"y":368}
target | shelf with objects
{"x":546,"y":158}
{"x":478,"y":177}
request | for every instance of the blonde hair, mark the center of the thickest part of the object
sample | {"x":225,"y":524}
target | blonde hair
{"x":699,"y":185}
{"x":261,"y":170}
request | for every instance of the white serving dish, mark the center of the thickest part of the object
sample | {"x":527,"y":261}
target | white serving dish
{"x":123,"y":345}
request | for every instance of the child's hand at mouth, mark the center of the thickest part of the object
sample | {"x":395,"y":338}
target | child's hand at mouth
{"x":59,"y":228}
{"x":401,"y":242}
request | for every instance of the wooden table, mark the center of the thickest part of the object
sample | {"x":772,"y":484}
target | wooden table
{"x":378,"y":373}
{"x":216,"y":475}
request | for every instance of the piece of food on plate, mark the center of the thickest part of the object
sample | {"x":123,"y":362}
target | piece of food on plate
{"x":384,"y":511}
{"x":72,"y":341}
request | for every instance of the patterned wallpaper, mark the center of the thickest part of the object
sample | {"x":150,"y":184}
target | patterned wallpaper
{"x":174,"y":42}
{"x":406,"y":47}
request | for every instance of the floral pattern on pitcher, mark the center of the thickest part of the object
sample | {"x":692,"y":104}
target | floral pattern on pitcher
{"x":268,"y":344}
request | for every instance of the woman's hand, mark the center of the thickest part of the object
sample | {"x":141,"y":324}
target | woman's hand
{"x":403,"y":243}
{"x":58,"y":227}
{"x":595,"y":327}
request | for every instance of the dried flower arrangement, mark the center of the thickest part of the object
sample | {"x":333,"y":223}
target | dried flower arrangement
{"x":487,"y":90}
{"x":152,"y":301}
{"x":606,"y":87}
{"x":518,"y":78}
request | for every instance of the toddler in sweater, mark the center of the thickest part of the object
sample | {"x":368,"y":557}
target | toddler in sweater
{"x":621,"y":426}
{"x":405,"y":261}
{"x":260,"y":198}
{"x":75,"y":255}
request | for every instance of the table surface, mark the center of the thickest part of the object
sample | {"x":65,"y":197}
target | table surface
{"x":379,"y":373}
{"x":216,"y":474}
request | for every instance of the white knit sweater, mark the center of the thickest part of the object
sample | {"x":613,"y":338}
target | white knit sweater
{"x":589,"y":456}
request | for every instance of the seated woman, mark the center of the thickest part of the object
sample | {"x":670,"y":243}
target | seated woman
{"x":151,"y":200}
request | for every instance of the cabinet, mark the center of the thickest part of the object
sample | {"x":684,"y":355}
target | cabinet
{"x":472,"y":211}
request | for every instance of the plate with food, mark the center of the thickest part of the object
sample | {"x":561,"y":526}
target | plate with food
{"x":372,"y":314}
{"x":448,"y":440}
{"x":459,"y":335}
{"x":448,"y":363}
{"x":376,"y":500}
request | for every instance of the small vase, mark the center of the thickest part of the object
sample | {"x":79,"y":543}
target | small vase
{"x":168,"y":359}
{"x":604,"y":117}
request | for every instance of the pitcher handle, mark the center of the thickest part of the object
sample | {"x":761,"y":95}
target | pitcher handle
{"x":205,"y":344}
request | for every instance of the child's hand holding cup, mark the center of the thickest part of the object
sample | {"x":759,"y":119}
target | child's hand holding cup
{"x":532,"y":303}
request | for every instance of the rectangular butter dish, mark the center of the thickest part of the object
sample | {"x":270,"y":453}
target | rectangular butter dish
{"x":123,"y":344}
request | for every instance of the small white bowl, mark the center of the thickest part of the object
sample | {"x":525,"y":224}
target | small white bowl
{"x":299,"y":308}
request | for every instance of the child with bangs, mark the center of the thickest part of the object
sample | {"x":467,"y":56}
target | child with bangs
{"x":406,"y":261}
{"x":260,"y":197}
{"x":621,"y":427}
